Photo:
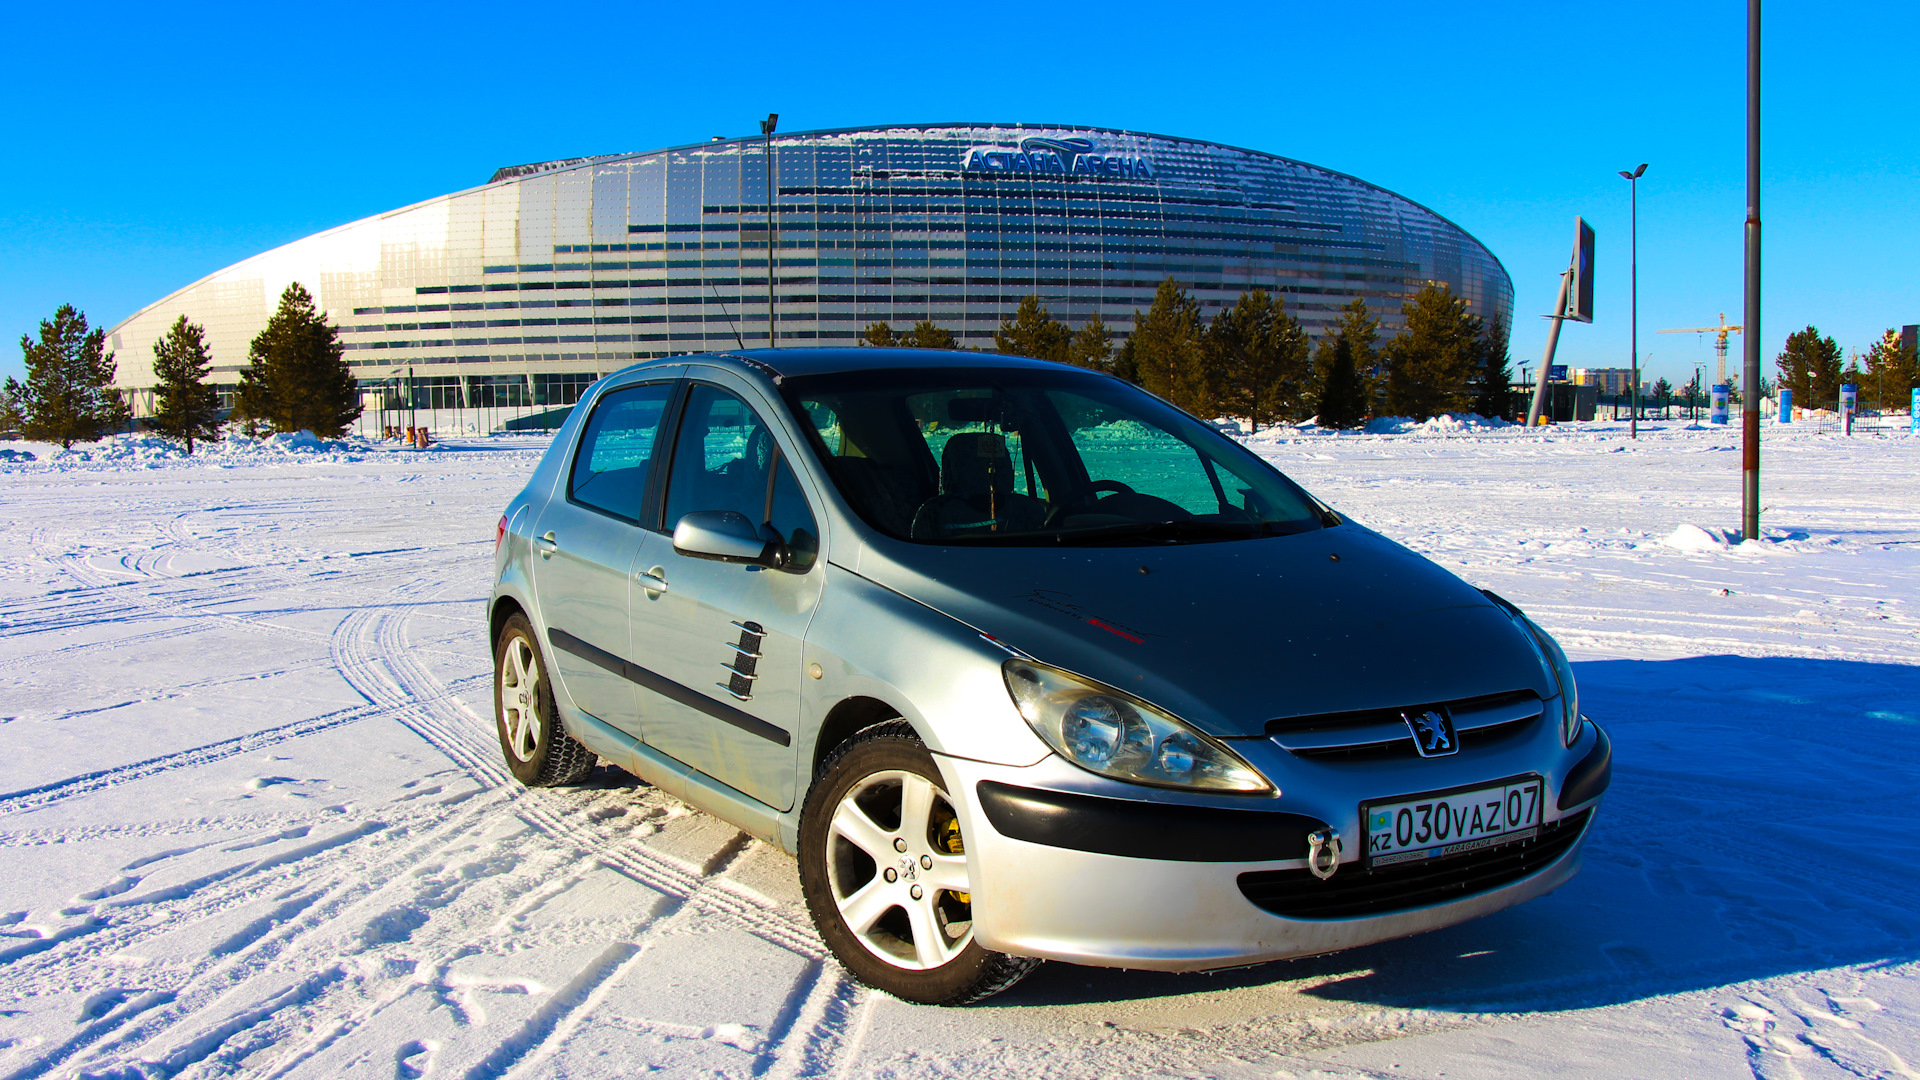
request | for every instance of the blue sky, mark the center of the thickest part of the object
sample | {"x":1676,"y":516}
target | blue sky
{"x":147,"y":145}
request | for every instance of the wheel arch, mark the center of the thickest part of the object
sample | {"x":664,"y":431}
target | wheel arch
{"x":846,"y":719}
{"x":504,"y":608}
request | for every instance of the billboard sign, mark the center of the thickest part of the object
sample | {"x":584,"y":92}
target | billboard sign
{"x":1580,"y":297}
{"x":1721,"y":412}
{"x":1557,"y":373}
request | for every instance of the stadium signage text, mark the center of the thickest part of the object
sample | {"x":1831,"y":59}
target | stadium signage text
{"x":1038,"y":156}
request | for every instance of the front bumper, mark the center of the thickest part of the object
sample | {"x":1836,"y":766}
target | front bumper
{"x":1104,"y":909}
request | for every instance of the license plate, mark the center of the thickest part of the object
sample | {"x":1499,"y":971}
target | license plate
{"x":1452,"y":823}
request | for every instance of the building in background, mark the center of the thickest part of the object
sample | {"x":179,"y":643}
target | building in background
{"x":524,"y":290}
{"x":1611,"y":381}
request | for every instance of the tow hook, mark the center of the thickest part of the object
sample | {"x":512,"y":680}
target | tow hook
{"x":1324,"y":843}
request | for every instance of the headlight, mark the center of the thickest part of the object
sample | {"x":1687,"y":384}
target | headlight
{"x":1113,"y":733}
{"x":1555,"y":661}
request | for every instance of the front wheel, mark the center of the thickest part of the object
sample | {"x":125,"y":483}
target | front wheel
{"x":537,"y":747}
{"x":883,"y":867}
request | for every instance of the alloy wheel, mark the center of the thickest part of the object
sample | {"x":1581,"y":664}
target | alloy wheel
{"x":520,"y":699}
{"x":898,"y":870}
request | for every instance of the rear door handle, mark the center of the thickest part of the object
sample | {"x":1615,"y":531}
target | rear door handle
{"x":547,"y":544}
{"x":654,"y":581}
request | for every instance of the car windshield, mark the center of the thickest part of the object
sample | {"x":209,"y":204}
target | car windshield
{"x":1023,"y":456}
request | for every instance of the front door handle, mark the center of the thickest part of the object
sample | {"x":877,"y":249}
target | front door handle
{"x":654,"y":581}
{"x":547,"y":544}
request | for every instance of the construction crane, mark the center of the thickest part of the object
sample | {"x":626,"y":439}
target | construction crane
{"x":1719,"y":342}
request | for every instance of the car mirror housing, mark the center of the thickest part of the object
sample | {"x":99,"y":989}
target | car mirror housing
{"x":728,"y":536}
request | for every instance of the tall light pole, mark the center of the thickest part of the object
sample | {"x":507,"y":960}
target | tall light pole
{"x":1750,"y":340}
{"x":766,"y":138}
{"x":1633,"y":195}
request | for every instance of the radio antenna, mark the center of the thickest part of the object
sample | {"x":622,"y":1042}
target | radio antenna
{"x":728,"y":314}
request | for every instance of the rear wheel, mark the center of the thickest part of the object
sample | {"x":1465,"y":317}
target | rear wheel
{"x":537,"y":747}
{"x":883,"y":867}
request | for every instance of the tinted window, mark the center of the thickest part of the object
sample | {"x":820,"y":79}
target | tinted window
{"x":1037,"y":456}
{"x":721,"y":461}
{"x":610,"y":471}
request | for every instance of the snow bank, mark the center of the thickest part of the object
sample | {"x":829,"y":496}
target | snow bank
{"x":1690,"y":537}
{"x":1445,"y":424}
{"x":147,"y":451}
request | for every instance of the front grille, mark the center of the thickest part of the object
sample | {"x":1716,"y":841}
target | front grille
{"x":1381,"y":734}
{"x":1297,"y":894}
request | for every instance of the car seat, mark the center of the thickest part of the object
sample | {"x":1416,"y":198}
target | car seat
{"x":976,"y":491}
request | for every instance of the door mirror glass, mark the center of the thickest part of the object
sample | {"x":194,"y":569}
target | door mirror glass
{"x":727,"y":536}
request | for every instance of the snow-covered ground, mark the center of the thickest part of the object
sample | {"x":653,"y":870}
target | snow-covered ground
{"x":252,"y":820}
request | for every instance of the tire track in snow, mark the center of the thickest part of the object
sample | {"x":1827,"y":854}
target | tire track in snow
{"x":442,"y":719}
{"x":215,"y":1012}
{"x":445,"y":720}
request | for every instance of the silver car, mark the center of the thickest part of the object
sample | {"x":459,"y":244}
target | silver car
{"x":1023,"y":662}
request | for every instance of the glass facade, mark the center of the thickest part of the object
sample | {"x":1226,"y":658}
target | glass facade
{"x":529,"y":287}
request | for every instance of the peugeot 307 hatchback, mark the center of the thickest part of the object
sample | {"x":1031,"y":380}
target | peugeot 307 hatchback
{"x":1023,"y":662}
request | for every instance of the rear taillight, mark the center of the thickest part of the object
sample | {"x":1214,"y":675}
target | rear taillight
{"x":499,"y":532}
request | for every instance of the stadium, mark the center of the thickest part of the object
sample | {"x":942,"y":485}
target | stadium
{"x":520,"y":292}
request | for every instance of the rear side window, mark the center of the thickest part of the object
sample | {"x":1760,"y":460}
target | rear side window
{"x":616,"y":450}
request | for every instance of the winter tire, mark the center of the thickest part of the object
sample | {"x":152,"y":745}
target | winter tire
{"x":884,"y":870}
{"x":537,"y":747}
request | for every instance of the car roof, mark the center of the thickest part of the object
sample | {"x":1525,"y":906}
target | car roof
{"x":781,"y":363}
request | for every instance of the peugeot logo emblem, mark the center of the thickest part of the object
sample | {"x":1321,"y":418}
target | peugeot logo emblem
{"x":1433,"y":734}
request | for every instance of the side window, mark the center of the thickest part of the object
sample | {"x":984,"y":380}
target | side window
{"x":616,"y":449}
{"x":723,"y":460}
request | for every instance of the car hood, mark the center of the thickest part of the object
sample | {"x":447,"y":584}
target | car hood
{"x":1231,"y":635}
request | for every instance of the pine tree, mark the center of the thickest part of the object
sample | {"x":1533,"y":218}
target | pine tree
{"x":1261,"y":355}
{"x":879,"y":335}
{"x":1167,"y":353}
{"x":1343,"y":392}
{"x":925,"y":335}
{"x":69,"y":395}
{"x":1892,"y":372}
{"x":1810,"y":367}
{"x":185,"y":408}
{"x":296,"y":378}
{"x":1361,"y":331}
{"x":1662,"y":392}
{"x":1124,"y":365}
{"x":1431,"y":367}
{"x":1092,"y":345}
{"x":1032,"y":332}
{"x":1491,"y":396}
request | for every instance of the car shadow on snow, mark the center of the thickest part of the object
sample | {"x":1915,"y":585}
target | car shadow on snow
{"x":1762,"y":821}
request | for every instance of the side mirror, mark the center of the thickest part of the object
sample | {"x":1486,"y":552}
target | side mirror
{"x":727,"y":536}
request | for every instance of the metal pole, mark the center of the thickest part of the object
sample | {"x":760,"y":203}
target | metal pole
{"x":1633,"y":197}
{"x":1750,"y":333}
{"x":1553,"y":343}
{"x":766,"y":132}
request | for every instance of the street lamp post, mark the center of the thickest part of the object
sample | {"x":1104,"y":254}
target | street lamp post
{"x":766,"y":137}
{"x":1633,"y":196}
{"x":1750,"y":341}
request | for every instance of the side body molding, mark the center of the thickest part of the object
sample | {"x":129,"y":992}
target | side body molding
{"x":666,"y":687}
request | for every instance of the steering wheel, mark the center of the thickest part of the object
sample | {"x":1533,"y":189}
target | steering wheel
{"x":1114,"y":486}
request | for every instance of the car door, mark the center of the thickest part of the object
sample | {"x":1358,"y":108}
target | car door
{"x":719,"y":646}
{"x":588,"y":537}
